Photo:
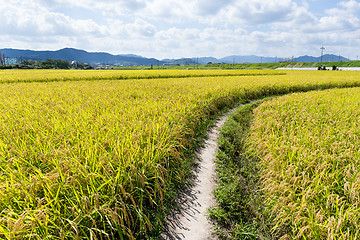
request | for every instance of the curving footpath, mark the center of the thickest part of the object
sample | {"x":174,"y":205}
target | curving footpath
{"x":190,"y":222}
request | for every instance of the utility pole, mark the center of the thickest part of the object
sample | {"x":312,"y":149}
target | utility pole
{"x":233,"y":62}
{"x":339,"y":63}
{"x":322,"y":52}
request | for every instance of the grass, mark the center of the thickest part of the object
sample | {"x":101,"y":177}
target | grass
{"x":237,"y":214}
{"x":101,"y":159}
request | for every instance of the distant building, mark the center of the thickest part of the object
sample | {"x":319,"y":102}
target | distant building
{"x":7,"y":61}
{"x":2,"y":60}
{"x":73,"y":64}
{"x":10,"y":61}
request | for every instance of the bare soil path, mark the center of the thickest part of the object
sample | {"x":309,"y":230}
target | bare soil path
{"x":190,"y":222}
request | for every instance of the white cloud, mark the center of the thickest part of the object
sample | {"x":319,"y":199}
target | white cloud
{"x":253,"y":13}
{"x":140,"y":28}
{"x":34,"y":19}
{"x":351,"y":5}
{"x":262,"y":12}
{"x":187,"y":28}
{"x":210,"y":7}
{"x":168,"y":10}
{"x":338,"y":23}
{"x":342,"y":19}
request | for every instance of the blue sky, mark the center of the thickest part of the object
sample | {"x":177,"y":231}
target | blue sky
{"x":184,"y":28}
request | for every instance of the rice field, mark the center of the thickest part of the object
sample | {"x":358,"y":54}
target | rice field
{"x":309,"y":148}
{"x":98,"y":155}
{"x":50,"y":75}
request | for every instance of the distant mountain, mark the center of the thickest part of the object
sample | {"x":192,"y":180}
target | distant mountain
{"x":257,"y":59}
{"x":229,"y":59}
{"x":71,"y":54}
{"x":247,"y":59}
{"x":191,"y":61}
{"x":325,"y":58}
{"x":206,"y":60}
{"x":307,"y":58}
{"x":181,"y":61}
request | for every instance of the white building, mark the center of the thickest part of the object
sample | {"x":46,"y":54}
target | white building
{"x":10,"y":61}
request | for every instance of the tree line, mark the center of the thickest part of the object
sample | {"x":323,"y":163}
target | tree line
{"x":48,"y":64}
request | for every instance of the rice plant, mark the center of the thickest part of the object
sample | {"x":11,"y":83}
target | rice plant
{"x":308,"y":144}
{"x":100,"y":159}
{"x":51,"y":75}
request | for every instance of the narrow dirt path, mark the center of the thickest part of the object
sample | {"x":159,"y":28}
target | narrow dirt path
{"x":190,"y":222}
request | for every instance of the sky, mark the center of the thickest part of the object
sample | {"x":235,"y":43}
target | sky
{"x":184,"y":28}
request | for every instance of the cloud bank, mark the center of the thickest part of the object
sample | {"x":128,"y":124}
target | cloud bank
{"x":187,"y":28}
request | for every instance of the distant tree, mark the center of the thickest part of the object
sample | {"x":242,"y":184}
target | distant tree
{"x":51,"y":64}
{"x":48,"y":64}
{"x":62,"y":64}
{"x":6,"y":67}
{"x":84,"y":66}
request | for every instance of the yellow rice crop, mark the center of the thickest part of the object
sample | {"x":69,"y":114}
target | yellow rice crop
{"x":310,"y":154}
{"x":86,"y":159}
{"x":45,"y":75}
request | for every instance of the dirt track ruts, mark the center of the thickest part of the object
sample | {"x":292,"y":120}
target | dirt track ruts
{"x":190,"y":222}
